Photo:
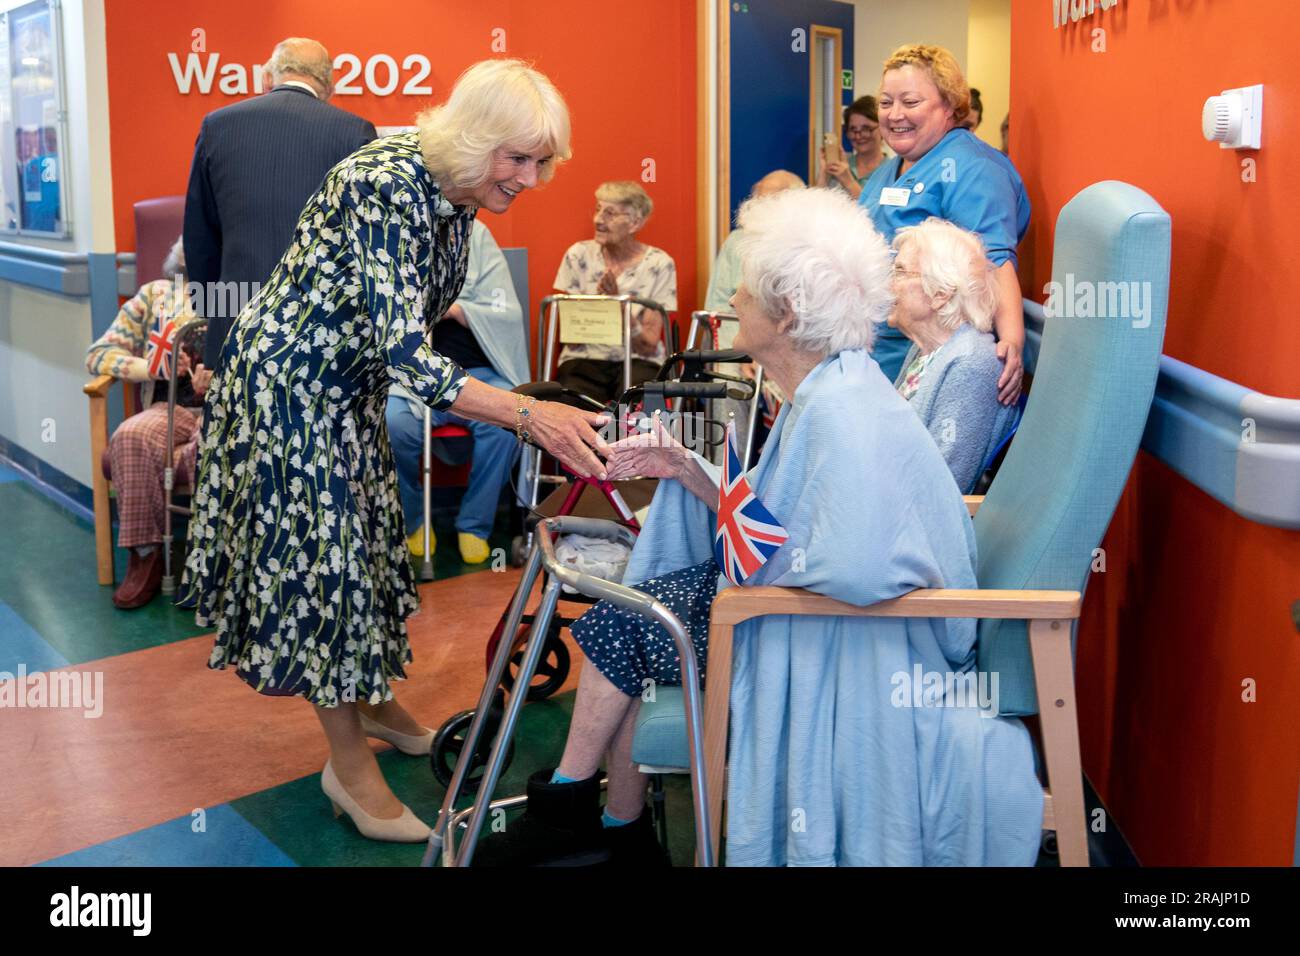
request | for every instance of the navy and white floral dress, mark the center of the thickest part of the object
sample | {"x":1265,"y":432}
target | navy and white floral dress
{"x":297,"y":549}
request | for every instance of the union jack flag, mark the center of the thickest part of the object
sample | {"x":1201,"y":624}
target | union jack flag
{"x":159,"y":351}
{"x":747,"y":534}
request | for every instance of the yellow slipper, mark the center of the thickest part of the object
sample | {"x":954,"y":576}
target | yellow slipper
{"x":416,"y":542}
{"x":473,"y":549}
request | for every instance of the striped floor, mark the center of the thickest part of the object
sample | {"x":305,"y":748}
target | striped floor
{"x":187,"y":766}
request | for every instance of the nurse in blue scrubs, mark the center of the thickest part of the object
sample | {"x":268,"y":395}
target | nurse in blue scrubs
{"x":944,"y":170}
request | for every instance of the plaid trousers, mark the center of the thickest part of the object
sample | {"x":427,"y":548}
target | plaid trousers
{"x":137,"y":451}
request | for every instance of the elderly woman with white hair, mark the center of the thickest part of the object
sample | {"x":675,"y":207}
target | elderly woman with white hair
{"x":945,"y":299}
{"x":138,"y":451}
{"x":615,"y":262}
{"x":828,"y":763}
{"x":297,"y":546}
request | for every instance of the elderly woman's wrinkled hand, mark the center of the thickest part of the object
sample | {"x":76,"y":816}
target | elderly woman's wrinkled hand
{"x":1013,"y":372}
{"x":652,"y":454}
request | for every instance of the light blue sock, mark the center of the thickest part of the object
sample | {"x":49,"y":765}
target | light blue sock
{"x":607,"y":820}
{"x":558,"y":777}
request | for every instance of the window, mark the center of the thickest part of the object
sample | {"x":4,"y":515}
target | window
{"x":32,"y":121}
{"x":824,"y":95}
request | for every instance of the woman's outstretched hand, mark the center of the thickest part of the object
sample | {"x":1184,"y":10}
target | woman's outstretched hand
{"x":570,"y":435}
{"x":652,"y":454}
{"x":567,"y":433}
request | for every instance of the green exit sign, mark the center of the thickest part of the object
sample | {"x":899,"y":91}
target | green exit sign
{"x":846,"y":79}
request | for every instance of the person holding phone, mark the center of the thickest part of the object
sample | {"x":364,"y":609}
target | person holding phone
{"x":862,"y":127}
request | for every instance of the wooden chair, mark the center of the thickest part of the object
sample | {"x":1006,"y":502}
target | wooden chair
{"x":1039,"y":525}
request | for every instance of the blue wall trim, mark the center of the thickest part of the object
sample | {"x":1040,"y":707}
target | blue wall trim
{"x":101,"y":268}
{"x":59,"y":487}
{"x":1197,"y":427}
{"x":126,"y":284}
{"x":66,"y":273}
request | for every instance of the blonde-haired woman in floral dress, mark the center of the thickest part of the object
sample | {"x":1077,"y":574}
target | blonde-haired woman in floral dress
{"x":297,"y":546}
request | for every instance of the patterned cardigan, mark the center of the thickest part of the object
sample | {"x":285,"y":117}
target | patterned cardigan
{"x":122,"y":350}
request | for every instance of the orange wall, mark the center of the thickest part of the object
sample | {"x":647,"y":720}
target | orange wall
{"x":1194,"y":599}
{"x":627,"y":70}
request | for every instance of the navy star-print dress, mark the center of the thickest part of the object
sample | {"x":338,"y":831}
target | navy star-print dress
{"x":297,"y":548}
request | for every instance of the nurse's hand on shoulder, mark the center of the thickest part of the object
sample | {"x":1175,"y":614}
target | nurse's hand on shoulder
{"x":1013,"y":372}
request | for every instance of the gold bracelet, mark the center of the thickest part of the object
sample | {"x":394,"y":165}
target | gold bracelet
{"x":523,"y":414}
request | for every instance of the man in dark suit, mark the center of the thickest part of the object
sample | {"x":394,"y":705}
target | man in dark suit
{"x":256,"y":163}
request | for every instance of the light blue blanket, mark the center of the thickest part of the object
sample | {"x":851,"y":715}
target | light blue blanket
{"x":846,"y":744}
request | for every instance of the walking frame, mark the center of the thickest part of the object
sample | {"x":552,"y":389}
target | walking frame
{"x":456,"y":833}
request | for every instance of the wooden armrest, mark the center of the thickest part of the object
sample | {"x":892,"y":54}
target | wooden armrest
{"x":973,"y":503}
{"x":98,"y":387}
{"x":740,"y":604}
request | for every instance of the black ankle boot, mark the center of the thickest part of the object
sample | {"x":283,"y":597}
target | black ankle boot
{"x":560,"y":827}
{"x":636,"y":844}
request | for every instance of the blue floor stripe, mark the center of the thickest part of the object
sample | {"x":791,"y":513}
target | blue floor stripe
{"x":20,"y":644}
{"x":228,"y":840}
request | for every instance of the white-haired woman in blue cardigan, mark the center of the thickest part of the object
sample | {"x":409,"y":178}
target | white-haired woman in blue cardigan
{"x":945,"y":300}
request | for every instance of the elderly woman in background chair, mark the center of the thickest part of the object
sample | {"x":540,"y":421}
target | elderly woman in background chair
{"x":138,"y":449}
{"x":615,"y":262}
{"x":871,"y":512}
{"x":945,"y":299}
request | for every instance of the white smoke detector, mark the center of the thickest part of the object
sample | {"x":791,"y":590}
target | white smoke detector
{"x":1233,"y":118}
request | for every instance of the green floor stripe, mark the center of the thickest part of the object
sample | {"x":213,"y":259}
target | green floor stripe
{"x":297,"y":818}
{"x":48,"y":576}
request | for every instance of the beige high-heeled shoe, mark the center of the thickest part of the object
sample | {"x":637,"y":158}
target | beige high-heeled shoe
{"x":408,"y":828}
{"x":409,"y":744}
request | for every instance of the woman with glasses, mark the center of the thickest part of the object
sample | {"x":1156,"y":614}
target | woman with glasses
{"x":615,"y":262}
{"x":862,"y":127}
{"x":945,"y":297}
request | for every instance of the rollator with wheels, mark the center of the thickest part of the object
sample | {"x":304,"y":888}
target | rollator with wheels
{"x":456,"y":833}
{"x":697,"y":384}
